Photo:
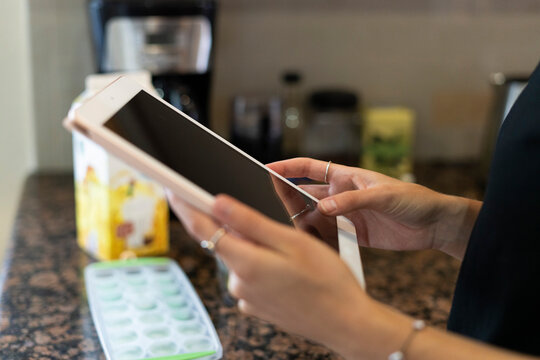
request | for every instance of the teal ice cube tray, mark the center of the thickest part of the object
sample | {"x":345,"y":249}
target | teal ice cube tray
{"x":147,"y":309}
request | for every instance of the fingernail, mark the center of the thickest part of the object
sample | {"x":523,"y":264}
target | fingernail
{"x":328,"y":205}
{"x":222,"y":208}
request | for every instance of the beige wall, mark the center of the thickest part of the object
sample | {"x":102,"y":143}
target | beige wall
{"x":16,"y":130}
{"x":61,"y":58}
{"x":433,"y":56}
{"x":438,"y":63}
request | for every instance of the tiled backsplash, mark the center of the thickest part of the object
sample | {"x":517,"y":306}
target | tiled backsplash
{"x":433,"y":56}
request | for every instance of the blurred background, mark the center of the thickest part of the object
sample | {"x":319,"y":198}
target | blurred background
{"x":435,"y":62}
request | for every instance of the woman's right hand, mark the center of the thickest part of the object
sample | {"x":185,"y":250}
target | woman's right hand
{"x":388,"y":213}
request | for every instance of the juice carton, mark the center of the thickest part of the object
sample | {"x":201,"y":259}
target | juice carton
{"x":119,"y":211}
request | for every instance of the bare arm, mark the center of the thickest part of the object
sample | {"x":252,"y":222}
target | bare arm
{"x":287,"y":277}
{"x":387,"y":329}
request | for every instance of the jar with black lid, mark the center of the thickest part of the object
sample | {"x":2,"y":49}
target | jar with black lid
{"x":332,"y":131}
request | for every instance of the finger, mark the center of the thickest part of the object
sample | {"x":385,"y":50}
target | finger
{"x":246,"y":308}
{"x":259,"y":310}
{"x":304,"y":167}
{"x":378,"y":199}
{"x":234,"y":285}
{"x":252,"y":224}
{"x":179,"y":206}
{"x":171,"y":197}
{"x":193,"y":220}
{"x":241,"y":288}
{"x":241,"y":256}
{"x":202,"y":227}
{"x":318,"y":191}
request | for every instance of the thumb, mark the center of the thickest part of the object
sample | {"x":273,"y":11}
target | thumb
{"x":376,"y":198}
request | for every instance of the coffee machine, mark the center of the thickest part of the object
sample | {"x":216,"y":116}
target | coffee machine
{"x":170,"y":38}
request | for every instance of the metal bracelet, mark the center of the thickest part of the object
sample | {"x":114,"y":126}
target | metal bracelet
{"x":417,"y":325}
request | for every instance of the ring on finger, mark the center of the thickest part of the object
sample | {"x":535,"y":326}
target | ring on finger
{"x":210,"y":245}
{"x":326,"y":172}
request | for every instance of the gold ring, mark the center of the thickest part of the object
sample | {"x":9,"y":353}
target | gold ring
{"x":326,"y":172}
{"x":210,"y":245}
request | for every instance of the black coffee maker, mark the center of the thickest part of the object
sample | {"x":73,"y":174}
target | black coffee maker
{"x":170,"y":38}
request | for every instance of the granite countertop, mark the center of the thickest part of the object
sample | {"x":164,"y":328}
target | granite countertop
{"x":44,"y":312}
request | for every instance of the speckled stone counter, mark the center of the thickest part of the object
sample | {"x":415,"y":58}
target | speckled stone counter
{"x":44,"y":312}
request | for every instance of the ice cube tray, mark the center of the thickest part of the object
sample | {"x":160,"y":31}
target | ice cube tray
{"x":147,"y":309}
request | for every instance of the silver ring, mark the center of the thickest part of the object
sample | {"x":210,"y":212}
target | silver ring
{"x":307,"y":208}
{"x":210,"y":245}
{"x":326,"y":172}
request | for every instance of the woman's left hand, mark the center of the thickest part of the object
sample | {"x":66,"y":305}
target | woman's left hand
{"x":281,"y":274}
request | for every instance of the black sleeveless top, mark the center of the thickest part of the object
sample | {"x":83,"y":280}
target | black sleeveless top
{"x":497,"y":297}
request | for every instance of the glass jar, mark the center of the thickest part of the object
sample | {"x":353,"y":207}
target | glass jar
{"x":333,"y":129}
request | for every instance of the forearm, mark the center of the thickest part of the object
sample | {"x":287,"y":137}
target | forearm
{"x":385,"y":332}
{"x":437,"y":344}
{"x":455,"y":226}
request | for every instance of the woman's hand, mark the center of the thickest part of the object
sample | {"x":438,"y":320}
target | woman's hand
{"x":281,"y":274}
{"x":297,"y":282}
{"x":388,"y":213}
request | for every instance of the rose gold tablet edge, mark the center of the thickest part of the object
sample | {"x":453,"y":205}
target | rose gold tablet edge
{"x":179,"y":185}
{"x":203,"y":203}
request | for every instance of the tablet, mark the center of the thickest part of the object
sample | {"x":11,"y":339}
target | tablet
{"x":197,"y":164}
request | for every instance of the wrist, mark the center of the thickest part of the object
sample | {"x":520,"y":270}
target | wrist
{"x":455,"y":225}
{"x":374,"y":331}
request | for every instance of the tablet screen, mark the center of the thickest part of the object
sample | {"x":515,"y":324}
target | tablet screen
{"x":213,"y":165}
